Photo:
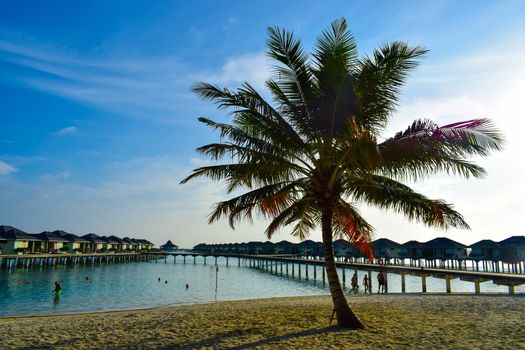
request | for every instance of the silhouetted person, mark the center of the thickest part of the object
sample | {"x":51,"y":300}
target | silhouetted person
{"x":365,"y":283}
{"x":380,"y":282}
{"x":355,"y":286}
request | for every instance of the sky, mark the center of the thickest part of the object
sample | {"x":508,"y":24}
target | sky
{"x":98,"y":124}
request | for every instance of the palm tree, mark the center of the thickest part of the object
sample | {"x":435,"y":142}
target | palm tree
{"x":313,"y":154}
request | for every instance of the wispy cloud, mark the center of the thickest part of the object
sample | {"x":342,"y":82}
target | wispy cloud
{"x":149,"y":88}
{"x":70,"y":130}
{"x":55,"y":176}
{"x":252,"y":67}
{"x":6,"y":168}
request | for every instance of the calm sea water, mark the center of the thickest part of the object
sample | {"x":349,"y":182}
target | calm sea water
{"x":135,"y":285}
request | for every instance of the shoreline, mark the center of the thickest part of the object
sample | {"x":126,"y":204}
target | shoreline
{"x":349,"y":298}
{"x":392,"y":321}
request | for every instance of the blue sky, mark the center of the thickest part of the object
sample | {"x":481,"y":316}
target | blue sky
{"x":98,"y":125}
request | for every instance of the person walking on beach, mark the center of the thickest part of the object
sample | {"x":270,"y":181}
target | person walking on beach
{"x":365,"y":283}
{"x":355,"y":287}
{"x":380,"y":282}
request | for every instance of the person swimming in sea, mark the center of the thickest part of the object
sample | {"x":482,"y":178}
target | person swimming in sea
{"x":57,"y":290}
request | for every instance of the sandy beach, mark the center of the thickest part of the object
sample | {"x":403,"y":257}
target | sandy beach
{"x":392,"y":321}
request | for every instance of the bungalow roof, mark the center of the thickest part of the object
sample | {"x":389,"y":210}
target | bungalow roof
{"x":485,"y":243}
{"x":111,"y":239}
{"x":383,"y":243}
{"x":94,"y":238}
{"x":412,"y":244}
{"x":70,"y":236}
{"x":127,"y":240}
{"x":51,"y":237}
{"x":10,"y":232}
{"x":513,"y":242}
{"x":442,"y":242}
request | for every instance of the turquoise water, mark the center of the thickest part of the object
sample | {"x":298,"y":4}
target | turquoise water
{"x":135,"y":285}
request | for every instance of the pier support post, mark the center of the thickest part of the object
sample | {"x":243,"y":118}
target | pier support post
{"x":344,"y":276}
{"x":403,"y":283}
{"x":287,"y":268}
{"x":477,"y":287}
{"x":306,"y":266}
{"x":449,"y":288}
{"x":194,"y":260}
{"x":370,"y":281}
{"x":215,"y":261}
{"x":184,"y":258}
{"x":511,"y":289}
{"x":424,"y":283}
{"x":324,"y":275}
{"x":227,"y":261}
{"x":293,"y":269}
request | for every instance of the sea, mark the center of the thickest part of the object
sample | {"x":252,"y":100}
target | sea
{"x":136,"y":285}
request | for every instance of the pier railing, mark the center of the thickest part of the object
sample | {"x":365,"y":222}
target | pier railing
{"x":287,"y":266}
{"x":34,"y":260}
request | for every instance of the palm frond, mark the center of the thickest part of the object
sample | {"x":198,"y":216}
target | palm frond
{"x":379,"y":80}
{"x":386,"y":193}
{"x":350,"y":224}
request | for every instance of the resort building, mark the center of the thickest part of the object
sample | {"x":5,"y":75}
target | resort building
{"x":117,"y":244}
{"x":15,"y":241}
{"x":512,"y":250}
{"x":169,"y":246}
{"x":52,"y":242}
{"x":385,"y":248}
{"x":343,"y":249}
{"x":410,"y":250}
{"x":74,"y":243}
{"x":96,"y":243}
{"x":442,"y":248}
{"x":485,"y":250}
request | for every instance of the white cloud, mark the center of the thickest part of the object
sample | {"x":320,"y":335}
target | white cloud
{"x":253,"y":68}
{"x":6,"y":169}
{"x":55,"y":176}
{"x":70,"y":130}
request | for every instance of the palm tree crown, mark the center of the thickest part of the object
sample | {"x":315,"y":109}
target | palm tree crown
{"x":312,"y":154}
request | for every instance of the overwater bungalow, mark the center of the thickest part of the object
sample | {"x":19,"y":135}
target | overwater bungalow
{"x":385,"y":248}
{"x":96,"y":243}
{"x":443,"y":250}
{"x":310,"y":248}
{"x":254,"y":247}
{"x":285,"y":247}
{"x":15,"y":241}
{"x":512,"y":249}
{"x":53,"y":242}
{"x":410,"y":250}
{"x":169,"y":246}
{"x":128,"y":244}
{"x":344,"y":249}
{"x":485,"y":250}
{"x":117,"y":244}
{"x":146,"y":245}
{"x":74,"y":243}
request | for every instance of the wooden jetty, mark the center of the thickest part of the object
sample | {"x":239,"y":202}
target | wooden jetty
{"x":291,"y":265}
{"x":41,"y":260}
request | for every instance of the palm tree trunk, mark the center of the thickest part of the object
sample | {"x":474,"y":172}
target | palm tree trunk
{"x":345,"y":316}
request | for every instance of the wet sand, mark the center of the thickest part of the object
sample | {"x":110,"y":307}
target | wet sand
{"x":392,"y":322}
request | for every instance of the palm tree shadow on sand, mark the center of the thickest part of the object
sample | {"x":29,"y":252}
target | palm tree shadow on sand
{"x":219,"y":338}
